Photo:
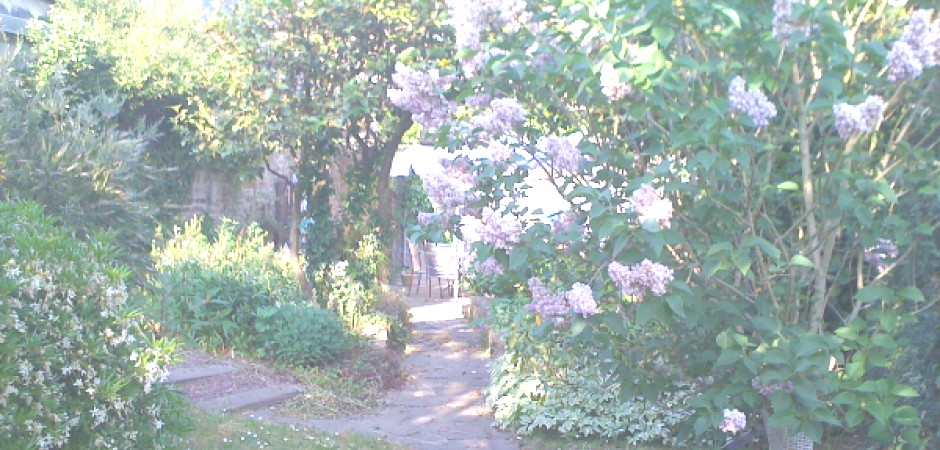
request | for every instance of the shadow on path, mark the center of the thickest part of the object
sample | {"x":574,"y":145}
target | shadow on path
{"x":443,"y":405}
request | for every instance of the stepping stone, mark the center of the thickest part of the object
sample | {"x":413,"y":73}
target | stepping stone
{"x":253,"y":399}
{"x":187,"y":374}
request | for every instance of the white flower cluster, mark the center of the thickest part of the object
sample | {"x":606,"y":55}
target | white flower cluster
{"x":501,"y":232}
{"x":562,"y":153}
{"x":858,"y":119}
{"x":421,"y":94}
{"x":471,"y":19}
{"x":918,"y":48}
{"x":611,"y":86}
{"x":650,"y":205}
{"x":503,"y":116}
{"x":491,"y":267}
{"x":752,"y":102}
{"x":783,"y":24}
{"x":636,"y":280}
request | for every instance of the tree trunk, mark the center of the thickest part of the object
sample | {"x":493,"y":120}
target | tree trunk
{"x":294,"y":236}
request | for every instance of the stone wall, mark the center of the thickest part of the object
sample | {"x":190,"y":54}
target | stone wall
{"x":264,"y":200}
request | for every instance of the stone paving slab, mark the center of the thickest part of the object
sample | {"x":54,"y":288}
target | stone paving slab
{"x":187,"y":374}
{"x":253,"y":399}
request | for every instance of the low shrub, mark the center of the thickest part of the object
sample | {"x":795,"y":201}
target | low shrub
{"x":210,"y":288}
{"x":548,"y":382}
{"x":300,"y":334}
{"x":77,"y":369}
{"x":234,"y":290}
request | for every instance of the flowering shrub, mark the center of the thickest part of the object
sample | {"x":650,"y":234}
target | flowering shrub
{"x":303,"y":335}
{"x":77,"y":368}
{"x":557,"y":388}
{"x":783,"y":147}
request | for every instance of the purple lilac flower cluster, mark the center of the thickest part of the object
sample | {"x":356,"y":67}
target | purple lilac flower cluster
{"x":858,"y":119}
{"x":564,"y":222}
{"x":501,"y":232}
{"x":918,"y":48}
{"x":420,"y":94}
{"x":579,"y":300}
{"x":446,"y":192}
{"x":783,"y":24}
{"x":636,"y":280}
{"x":649,"y":205}
{"x":500,"y":151}
{"x":876,"y":256}
{"x":471,"y":19}
{"x":733,"y":422}
{"x":491,"y":267}
{"x":752,"y":102}
{"x":504,"y":115}
{"x":562,"y":153}
{"x":767,"y":389}
{"x":428,"y":219}
{"x":611,"y":86}
{"x":544,"y":302}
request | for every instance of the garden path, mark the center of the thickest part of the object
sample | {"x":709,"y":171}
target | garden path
{"x":443,"y":404}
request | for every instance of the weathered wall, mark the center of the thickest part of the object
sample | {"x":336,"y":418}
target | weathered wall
{"x":264,"y":200}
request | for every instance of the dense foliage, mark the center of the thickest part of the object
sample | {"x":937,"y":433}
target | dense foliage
{"x":78,"y":366}
{"x":736,"y":173}
{"x":230,"y":290}
{"x":73,"y":158}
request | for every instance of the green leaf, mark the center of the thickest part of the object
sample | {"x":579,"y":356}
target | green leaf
{"x":912,"y":293}
{"x":766,"y":324}
{"x":765,"y":245}
{"x":663,"y":35}
{"x":801,"y":261}
{"x":676,"y":304}
{"x":518,"y":258}
{"x":903,"y":390}
{"x":853,"y":417}
{"x":741,"y":258}
{"x":874,"y":293}
{"x":728,"y":357}
{"x":788,"y":186}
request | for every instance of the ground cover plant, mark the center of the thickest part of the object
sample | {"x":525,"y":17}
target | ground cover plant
{"x":79,"y":367}
{"x":740,"y":175}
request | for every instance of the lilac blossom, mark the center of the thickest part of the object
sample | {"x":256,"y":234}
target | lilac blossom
{"x":428,"y":219}
{"x":611,"y":86}
{"x":490,"y":267}
{"x":636,"y":280}
{"x":446,"y":192}
{"x":420,"y":94}
{"x":564,"y":222}
{"x":876,"y":256}
{"x":917,"y":49}
{"x":500,"y":151}
{"x":649,"y":205}
{"x":544,"y":302}
{"x":501,"y":232}
{"x":733,"y":422}
{"x":783,"y":24}
{"x":471,"y":19}
{"x":581,"y":300}
{"x":752,"y":102}
{"x":561,"y":152}
{"x":504,"y":115}
{"x":858,"y":119}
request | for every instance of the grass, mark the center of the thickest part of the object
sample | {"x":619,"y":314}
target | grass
{"x":544,"y":442}
{"x":235,"y":432}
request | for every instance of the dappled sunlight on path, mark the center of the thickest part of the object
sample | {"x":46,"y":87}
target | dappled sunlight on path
{"x":443,"y":404}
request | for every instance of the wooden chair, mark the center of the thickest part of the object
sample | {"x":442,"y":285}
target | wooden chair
{"x":419,"y":268}
{"x":443,"y":264}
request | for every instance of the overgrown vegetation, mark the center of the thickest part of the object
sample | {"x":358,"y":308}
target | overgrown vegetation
{"x":234,"y":290}
{"x":79,"y":366}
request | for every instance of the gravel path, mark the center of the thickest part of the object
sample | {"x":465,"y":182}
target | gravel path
{"x":443,"y":405}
